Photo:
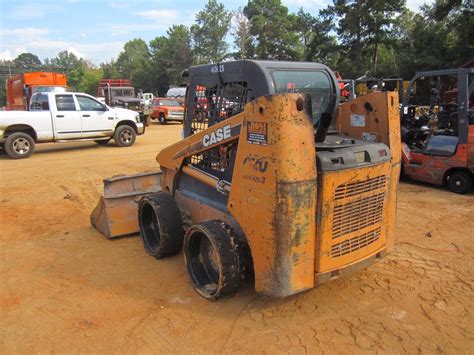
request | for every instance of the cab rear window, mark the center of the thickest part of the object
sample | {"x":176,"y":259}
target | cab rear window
{"x":315,"y":83}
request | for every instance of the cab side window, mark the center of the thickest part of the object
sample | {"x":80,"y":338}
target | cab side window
{"x":65,"y":103}
{"x":88,"y":104}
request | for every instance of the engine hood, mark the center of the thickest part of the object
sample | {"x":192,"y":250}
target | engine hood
{"x":127,"y":99}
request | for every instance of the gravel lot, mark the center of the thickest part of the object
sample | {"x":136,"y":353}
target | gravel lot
{"x":66,"y":288}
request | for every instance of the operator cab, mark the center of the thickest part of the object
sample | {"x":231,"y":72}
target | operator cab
{"x":437,"y":127}
{"x":219,"y":91}
{"x":436,"y":111}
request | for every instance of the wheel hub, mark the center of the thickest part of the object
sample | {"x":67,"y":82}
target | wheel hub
{"x":21,"y":146}
{"x":126,"y":136}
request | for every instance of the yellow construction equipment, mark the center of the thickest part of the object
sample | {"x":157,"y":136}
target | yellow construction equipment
{"x":270,"y":181}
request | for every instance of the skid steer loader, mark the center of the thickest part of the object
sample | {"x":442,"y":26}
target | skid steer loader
{"x":263,"y":184}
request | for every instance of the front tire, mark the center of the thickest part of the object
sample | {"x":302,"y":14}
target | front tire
{"x":19,"y":145}
{"x":125,"y":136}
{"x":161,"y":226}
{"x":162,"y":118}
{"x":213,"y":259}
{"x":460,"y":182}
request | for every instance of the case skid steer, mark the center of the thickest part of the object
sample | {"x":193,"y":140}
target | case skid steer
{"x":262,"y":185}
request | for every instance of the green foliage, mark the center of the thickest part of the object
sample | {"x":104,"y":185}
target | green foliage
{"x":170,"y":56}
{"x":65,"y":60}
{"x":243,"y":40}
{"x":362,"y":28}
{"x":110,"y":70}
{"x":323,"y":46}
{"x":209,"y":32}
{"x":134,"y":63}
{"x":304,"y":24}
{"x":90,"y":80}
{"x":350,"y":36}
{"x":440,"y":37}
{"x":273,"y":30}
{"x":27,"y":61}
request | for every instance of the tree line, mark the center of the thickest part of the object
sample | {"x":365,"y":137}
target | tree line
{"x":354,"y":37}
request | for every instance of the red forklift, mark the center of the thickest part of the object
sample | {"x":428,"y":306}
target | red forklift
{"x":438,"y":129}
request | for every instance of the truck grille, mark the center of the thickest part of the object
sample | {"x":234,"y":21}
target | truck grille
{"x":356,"y":243}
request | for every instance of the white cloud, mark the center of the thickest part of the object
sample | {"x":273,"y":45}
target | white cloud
{"x":23,"y":33}
{"x":33,"y":11}
{"x":157,"y":21}
{"x":159,"y":15}
{"x":11,"y":54}
{"x":118,"y":5}
{"x":40,"y":42}
{"x":75,"y":52}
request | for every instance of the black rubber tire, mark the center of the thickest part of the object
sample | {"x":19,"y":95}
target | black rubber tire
{"x":212,"y":259}
{"x":125,"y":136}
{"x":161,"y":226}
{"x":102,"y":142}
{"x":19,"y":145}
{"x":460,"y":182}
{"x":162,"y":118}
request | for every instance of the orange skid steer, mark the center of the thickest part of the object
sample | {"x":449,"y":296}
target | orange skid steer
{"x":263,"y":184}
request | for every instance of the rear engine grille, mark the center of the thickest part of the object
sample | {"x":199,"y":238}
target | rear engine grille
{"x":358,"y":214}
{"x":356,"y":243}
{"x":356,"y":188}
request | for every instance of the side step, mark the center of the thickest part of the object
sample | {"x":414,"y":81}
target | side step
{"x":116,"y":213}
{"x":83,"y":140}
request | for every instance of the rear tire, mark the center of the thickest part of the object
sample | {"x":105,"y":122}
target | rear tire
{"x":125,"y":136}
{"x":460,"y":182}
{"x":161,"y":226}
{"x":213,"y":259}
{"x":19,"y":145}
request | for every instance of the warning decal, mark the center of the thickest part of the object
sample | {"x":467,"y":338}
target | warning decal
{"x":257,"y":133}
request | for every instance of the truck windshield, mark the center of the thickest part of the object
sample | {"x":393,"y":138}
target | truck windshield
{"x":48,"y":89}
{"x":123,"y":92}
{"x":167,"y":103}
{"x":315,"y":83}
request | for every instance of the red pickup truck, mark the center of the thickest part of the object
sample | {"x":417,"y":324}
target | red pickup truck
{"x":166,"y":109}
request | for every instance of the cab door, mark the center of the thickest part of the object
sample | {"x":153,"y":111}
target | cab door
{"x":66,"y":117}
{"x":97,"y":119}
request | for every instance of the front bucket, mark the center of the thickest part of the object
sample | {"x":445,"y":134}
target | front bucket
{"x":116,"y":213}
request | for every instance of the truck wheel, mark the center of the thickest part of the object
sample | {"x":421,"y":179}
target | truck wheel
{"x":102,"y":141}
{"x":161,"y":226}
{"x":124,"y":136}
{"x":459,"y":182}
{"x":162,"y":118}
{"x":19,"y":145}
{"x":212,"y":259}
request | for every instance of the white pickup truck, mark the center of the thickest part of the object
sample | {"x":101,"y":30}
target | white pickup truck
{"x":65,"y":117}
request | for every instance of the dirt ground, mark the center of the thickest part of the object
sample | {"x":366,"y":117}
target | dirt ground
{"x":66,"y":288}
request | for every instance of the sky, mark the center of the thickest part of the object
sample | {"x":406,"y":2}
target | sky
{"x":96,"y":30}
